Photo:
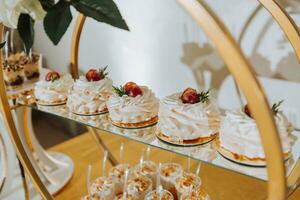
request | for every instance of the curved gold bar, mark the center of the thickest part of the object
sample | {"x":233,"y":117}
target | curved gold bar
{"x":75,"y":45}
{"x":244,"y":75}
{"x":286,"y":23}
{"x":8,"y":119}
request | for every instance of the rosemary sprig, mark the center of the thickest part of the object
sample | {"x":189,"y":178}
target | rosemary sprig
{"x":120,"y":90}
{"x":275,"y":107}
{"x":203,"y":96}
{"x":103,"y":71}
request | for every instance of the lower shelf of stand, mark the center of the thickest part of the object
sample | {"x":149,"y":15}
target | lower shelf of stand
{"x":206,"y":152}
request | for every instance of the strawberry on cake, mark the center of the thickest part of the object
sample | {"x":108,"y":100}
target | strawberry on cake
{"x":188,"y":117}
{"x":53,"y":90}
{"x":133,"y":106}
{"x":239,"y":138}
{"x":90,"y":93}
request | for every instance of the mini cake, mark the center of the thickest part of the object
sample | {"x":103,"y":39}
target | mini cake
{"x":159,"y":195}
{"x":187,"y":117}
{"x":169,"y":172}
{"x":53,"y":90}
{"x":197,"y":194}
{"x":239,"y":137}
{"x":13,"y":73}
{"x":103,"y":187}
{"x":187,"y":182}
{"x":90,"y":93}
{"x":117,"y":175}
{"x":138,"y":187}
{"x":133,"y":106}
{"x":147,"y":168}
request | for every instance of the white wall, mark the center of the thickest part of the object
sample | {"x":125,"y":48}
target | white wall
{"x":166,"y":50}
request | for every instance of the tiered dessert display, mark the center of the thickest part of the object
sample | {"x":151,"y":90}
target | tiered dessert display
{"x":180,"y":126}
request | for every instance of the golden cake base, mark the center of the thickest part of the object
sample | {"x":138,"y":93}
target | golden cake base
{"x":143,"y":124}
{"x":56,"y":103}
{"x":104,"y":111}
{"x":242,"y":159}
{"x":194,"y":142}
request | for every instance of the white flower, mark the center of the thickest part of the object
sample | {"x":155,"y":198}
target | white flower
{"x":10,"y":11}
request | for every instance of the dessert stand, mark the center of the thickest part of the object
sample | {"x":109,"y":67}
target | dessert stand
{"x":233,"y":57}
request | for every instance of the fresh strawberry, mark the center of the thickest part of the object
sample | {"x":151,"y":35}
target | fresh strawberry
{"x":129,"y":85}
{"x":247,"y":111}
{"x":190,"y":96}
{"x":96,"y":75}
{"x":134,"y":91}
{"x":52,"y":76}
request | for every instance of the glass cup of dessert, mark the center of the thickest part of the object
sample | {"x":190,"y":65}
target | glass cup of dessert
{"x":31,"y":64}
{"x":90,"y":93}
{"x":117,"y":174}
{"x":139,"y":187}
{"x":169,"y":172}
{"x":103,"y":187}
{"x":186,"y":183}
{"x":13,"y":73}
{"x":148,"y":169}
{"x":196,"y":194}
{"x":133,"y":106}
{"x":159,"y":194}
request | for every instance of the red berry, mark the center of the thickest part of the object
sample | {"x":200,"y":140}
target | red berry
{"x":190,"y":96}
{"x":135,"y":91}
{"x":52,"y":76}
{"x":129,"y":85}
{"x":93,"y":75}
{"x":247,"y":110}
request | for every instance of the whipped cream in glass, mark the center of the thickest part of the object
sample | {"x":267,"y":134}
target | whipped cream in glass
{"x":159,"y":195}
{"x":239,"y":134}
{"x":128,"y":109}
{"x":117,"y":174}
{"x":139,"y":186}
{"x":183,"y":121}
{"x":169,"y":172}
{"x":186,"y":182}
{"x":147,"y":168}
{"x":103,"y":187}
{"x":197,"y":194}
{"x":53,"y":91}
{"x":89,"y":97}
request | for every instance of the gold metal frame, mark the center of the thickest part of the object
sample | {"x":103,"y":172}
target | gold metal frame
{"x":9,"y":121}
{"x":242,"y":72}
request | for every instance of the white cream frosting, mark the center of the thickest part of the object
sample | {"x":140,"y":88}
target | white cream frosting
{"x":89,"y":97}
{"x":104,"y":188}
{"x":187,"y":121}
{"x":239,"y":134}
{"x":128,"y":109}
{"x":52,"y":92}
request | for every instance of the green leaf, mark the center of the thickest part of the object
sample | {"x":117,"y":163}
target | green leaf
{"x":2,"y":45}
{"x":47,"y":4}
{"x":101,"y":10}
{"x":26,"y":30}
{"x":57,"y":21}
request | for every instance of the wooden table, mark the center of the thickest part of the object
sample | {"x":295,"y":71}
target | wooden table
{"x":219,"y":183}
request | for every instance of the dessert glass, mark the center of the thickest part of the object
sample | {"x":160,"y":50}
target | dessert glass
{"x":147,"y":168}
{"x":159,"y":195}
{"x":117,"y":175}
{"x":187,"y":182}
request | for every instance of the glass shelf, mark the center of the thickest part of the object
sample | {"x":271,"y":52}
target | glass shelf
{"x":206,"y":152}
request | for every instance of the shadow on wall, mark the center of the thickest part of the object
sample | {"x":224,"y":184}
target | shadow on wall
{"x":207,"y":66}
